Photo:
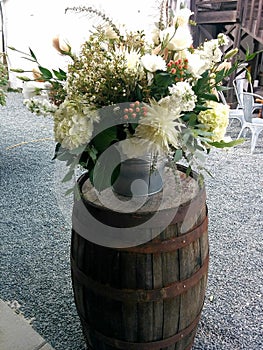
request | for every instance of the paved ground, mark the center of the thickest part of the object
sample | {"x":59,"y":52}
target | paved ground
{"x":16,"y":333}
{"x":35,"y":238}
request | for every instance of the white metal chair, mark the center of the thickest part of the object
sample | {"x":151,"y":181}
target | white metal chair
{"x":233,"y":113}
{"x":254,"y":124}
{"x":242,"y":85}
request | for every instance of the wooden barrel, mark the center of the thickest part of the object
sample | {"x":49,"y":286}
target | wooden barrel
{"x":149,"y":296}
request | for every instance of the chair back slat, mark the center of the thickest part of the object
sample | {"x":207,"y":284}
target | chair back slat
{"x":248,"y":101}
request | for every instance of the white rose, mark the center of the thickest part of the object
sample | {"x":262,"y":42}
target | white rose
{"x":183,"y":16}
{"x":178,"y":40}
{"x":196,"y":64}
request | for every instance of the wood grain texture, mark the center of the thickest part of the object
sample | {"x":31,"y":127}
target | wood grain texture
{"x":122,"y":294}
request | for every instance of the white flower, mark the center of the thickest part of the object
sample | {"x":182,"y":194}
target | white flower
{"x":215,"y":119}
{"x":152,"y":63}
{"x":183,"y":16}
{"x":182,"y":96}
{"x":156,"y":35}
{"x":177,"y":40}
{"x":132,"y":60}
{"x":73,"y":124}
{"x":160,"y":127}
{"x":109,"y":32}
{"x":196,"y":65}
{"x":134,"y":147}
{"x":222,"y":39}
{"x":211,"y":51}
{"x":33,"y":88}
{"x":39,"y":105}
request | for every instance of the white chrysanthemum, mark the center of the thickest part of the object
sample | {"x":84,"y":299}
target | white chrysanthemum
{"x":152,"y":63}
{"x":179,"y":39}
{"x":161,"y":127}
{"x":132,"y":59}
{"x":73,"y":124}
{"x":215,"y":119}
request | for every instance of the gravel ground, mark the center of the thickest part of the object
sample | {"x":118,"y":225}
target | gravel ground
{"x":35,"y":238}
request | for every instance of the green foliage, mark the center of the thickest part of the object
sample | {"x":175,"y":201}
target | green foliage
{"x":3,"y":80}
{"x":160,"y":84}
{"x":223,"y":144}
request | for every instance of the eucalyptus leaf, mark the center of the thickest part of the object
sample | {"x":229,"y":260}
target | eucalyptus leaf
{"x":69,"y":191}
{"x":178,"y":155}
{"x":68,"y":176}
{"x":78,"y":150}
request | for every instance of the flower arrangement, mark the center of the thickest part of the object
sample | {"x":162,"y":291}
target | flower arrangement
{"x":155,"y":95}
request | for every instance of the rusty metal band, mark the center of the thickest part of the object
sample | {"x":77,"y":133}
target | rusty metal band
{"x":171,"y":244}
{"x":140,"y":295}
{"x":155,"y":345}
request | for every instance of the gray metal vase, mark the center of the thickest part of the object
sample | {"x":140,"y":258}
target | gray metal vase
{"x":140,"y":177}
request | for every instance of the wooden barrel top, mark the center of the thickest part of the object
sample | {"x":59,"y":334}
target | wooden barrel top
{"x":178,"y":190}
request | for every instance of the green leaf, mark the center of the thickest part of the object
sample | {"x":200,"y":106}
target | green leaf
{"x":61,"y":75}
{"x":223,"y":144}
{"x":68,"y":176}
{"x":63,"y":156}
{"x":46,"y":74}
{"x":211,"y":97}
{"x":69,"y":191}
{"x":178,"y":155}
{"x":188,"y":170}
{"x":106,"y":170}
{"x":32,"y":54}
{"x":251,"y":56}
{"x":199,"y":108}
{"x":104,"y":139}
{"x":78,"y":150}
